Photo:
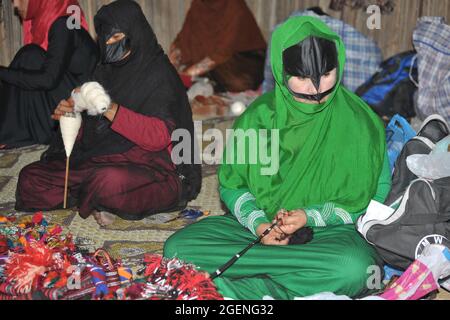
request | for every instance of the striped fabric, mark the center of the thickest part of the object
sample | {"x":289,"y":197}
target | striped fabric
{"x":252,"y":218}
{"x":327,"y":215}
{"x":247,"y":213}
{"x":240,"y":214}
{"x":242,"y":204}
{"x":363,"y":55}
{"x":432,"y":42}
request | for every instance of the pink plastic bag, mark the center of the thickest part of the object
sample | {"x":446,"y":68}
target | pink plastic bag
{"x":415,"y":283}
{"x":422,"y":276}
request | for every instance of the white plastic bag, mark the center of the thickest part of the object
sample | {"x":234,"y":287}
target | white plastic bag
{"x":437,"y":259}
{"x":441,"y":146}
{"x":332,"y":296}
{"x":201,"y":88}
{"x":431,"y":167}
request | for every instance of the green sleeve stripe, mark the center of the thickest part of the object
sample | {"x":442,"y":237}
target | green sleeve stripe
{"x":252,"y":219}
{"x":344,"y":215}
{"x":316,"y":217}
{"x":239,"y":214}
{"x":327,"y":211}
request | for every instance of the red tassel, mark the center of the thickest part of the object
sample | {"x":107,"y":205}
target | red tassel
{"x":23,"y":269}
{"x":37,"y":218}
{"x":153,"y":263}
{"x":3,"y":246}
{"x":180,"y":282}
{"x":134,"y":292}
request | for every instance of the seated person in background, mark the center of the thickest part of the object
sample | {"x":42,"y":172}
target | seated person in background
{"x":121,"y":164}
{"x":332,"y":162}
{"x":220,"y":39}
{"x":54,"y":61}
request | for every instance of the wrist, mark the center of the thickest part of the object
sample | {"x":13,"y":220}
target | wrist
{"x":112,"y":111}
{"x":262,"y":227}
{"x":304,"y":218}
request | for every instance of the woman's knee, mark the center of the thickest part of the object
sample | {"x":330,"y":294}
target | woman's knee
{"x":109,"y":180}
{"x":354,"y":269}
{"x":30,"y":187}
{"x":185,"y":241}
{"x":171,"y":247}
{"x":28,"y":178}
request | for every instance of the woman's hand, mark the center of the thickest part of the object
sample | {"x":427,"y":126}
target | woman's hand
{"x":112,"y":111}
{"x":276,"y":237}
{"x":200,"y":68}
{"x":65,"y":106}
{"x":68,"y":106}
{"x":175,"y":56}
{"x":292,"y":221}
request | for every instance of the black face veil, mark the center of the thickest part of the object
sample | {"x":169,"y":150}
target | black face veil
{"x":312,"y":58}
{"x":113,"y":53}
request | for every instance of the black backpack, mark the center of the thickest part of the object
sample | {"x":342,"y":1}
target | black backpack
{"x":417,"y":211}
{"x":422,"y":218}
{"x":433,"y":130}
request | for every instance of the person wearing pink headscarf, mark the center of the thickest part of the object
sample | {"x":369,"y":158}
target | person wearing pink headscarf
{"x":58,"y":55}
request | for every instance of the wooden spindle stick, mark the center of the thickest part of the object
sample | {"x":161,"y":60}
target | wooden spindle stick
{"x":66,"y":183}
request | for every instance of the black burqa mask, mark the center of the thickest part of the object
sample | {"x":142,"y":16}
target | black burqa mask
{"x":144,"y":82}
{"x":116,"y":52}
{"x":312,"y":58}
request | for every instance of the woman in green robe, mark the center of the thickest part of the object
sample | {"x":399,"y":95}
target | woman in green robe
{"x":332,"y":163}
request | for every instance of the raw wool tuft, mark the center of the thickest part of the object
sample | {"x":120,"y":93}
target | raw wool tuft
{"x":92,"y":98}
{"x":80,"y":104}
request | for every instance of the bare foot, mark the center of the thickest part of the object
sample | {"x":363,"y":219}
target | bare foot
{"x":103,"y":218}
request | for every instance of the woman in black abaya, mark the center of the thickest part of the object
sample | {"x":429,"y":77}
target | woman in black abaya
{"x":54,"y":61}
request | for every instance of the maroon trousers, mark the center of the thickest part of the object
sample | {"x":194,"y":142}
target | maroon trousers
{"x":132,"y":185}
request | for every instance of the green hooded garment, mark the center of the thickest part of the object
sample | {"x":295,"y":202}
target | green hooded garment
{"x":329,"y":152}
{"x":331,"y":155}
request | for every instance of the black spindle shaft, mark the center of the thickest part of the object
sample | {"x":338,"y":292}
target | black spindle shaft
{"x":233,"y":260}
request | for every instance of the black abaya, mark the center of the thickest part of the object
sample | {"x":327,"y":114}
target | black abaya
{"x":38,"y":80}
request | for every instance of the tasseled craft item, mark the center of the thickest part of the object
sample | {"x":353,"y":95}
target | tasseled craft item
{"x":99,"y":280}
{"x":24,"y":269}
{"x":38,"y":262}
{"x":175,"y":280}
{"x":3,"y":245}
{"x":125,"y":275}
{"x":107,"y":278}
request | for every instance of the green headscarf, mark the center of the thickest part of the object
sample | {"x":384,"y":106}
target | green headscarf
{"x":329,"y":152}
